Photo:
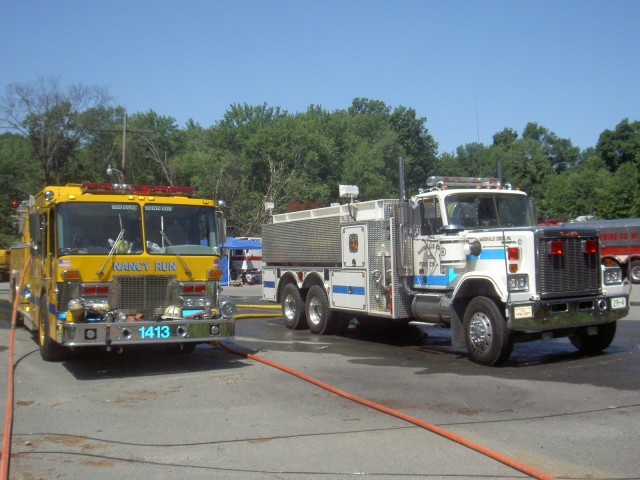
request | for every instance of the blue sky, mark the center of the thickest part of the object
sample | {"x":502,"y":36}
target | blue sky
{"x":472,"y":68}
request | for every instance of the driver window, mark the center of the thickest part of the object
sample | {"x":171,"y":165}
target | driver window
{"x":465,"y":214}
{"x":431,"y":217}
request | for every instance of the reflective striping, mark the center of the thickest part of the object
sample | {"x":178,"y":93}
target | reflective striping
{"x":347,"y":290}
{"x":490,"y":254}
{"x":430,"y":280}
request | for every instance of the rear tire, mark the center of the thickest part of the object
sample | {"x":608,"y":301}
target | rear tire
{"x":293,"y":308}
{"x":319,"y":315}
{"x":592,"y":344}
{"x":50,"y":351}
{"x":485,"y":332}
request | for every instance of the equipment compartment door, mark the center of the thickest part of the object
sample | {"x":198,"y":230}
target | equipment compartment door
{"x":349,"y":290}
{"x":269,"y":284}
{"x":354,"y":246}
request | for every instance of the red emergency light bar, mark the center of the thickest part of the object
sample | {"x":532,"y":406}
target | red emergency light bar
{"x":158,"y":190}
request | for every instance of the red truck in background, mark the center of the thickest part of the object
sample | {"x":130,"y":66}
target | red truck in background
{"x":620,"y":243}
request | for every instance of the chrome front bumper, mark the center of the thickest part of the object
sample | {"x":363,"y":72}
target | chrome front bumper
{"x":144,"y":332}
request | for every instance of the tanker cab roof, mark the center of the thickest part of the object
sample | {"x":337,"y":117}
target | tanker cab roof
{"x":442,"y":194}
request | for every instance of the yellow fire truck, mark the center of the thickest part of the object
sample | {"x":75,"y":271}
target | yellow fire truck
{"x":119,"y":265}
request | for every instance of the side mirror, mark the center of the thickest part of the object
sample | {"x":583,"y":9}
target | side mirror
{"x":222,"y":227}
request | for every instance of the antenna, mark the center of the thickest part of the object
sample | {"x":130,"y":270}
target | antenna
{"x":477,"y":120}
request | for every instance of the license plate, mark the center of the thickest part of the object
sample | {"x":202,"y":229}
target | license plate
{"x":523,"y":312}
{"x":618,"y":302}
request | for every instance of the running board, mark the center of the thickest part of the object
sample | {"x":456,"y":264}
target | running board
{"x":425,"y":324}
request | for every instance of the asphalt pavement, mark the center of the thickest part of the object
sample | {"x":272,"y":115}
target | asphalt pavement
{"x":156,"y":414}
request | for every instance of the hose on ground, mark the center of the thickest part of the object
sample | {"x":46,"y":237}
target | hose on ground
{"x":527,"y":470}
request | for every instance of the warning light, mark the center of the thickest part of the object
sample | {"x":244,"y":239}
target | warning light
{"x":590,"y":246}
{"x":556,"y":247}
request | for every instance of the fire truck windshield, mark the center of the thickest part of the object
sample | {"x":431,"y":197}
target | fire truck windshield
{"x":488,"y":210}
{"x":97,"y":228}
{"x":182,"y":229}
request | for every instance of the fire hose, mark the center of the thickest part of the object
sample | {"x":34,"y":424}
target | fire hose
{"x":402,"y":416}
{"x":8,"y":421}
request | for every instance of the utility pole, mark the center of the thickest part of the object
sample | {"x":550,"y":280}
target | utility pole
{"x":124,"y":145}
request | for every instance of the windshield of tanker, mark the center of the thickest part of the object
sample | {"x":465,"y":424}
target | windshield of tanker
{"x":181,"y":229}
{"x":97,"y":228}
{"x":488,"y":210}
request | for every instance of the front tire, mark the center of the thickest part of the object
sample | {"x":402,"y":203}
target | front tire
{"x":50,"y":351}
{"x":319,"y":316}
{"x":293,"y":308}
{"x":485,"y":332}
{"x":634,"y":271}
{"x":592,"y":344}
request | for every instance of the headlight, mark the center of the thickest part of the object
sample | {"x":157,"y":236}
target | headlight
{"x":518,"y":283}
{"x":228,"y":309}
{"x":612,"y":275}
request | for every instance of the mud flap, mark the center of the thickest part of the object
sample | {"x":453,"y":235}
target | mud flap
{"x":457,"y":331}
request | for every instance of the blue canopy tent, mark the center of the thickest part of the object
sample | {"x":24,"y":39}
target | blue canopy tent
{"x":235,"y":244}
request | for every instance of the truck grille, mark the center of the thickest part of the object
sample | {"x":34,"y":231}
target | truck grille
{"x":143,"y":294}
{"x":573,"y":273}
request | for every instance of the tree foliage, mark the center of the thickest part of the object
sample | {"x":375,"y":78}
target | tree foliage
{"x":260,"y":153}
{"x":55,"y":121}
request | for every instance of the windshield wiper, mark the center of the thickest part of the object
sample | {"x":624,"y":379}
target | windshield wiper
{"x":172,"y":250}
{"x":112,"y":251}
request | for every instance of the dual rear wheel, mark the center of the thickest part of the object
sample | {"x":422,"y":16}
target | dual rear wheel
{"x":313,"y":312}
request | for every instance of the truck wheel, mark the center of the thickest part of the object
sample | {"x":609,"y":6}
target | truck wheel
{"x":634,"y":271}
{"x":50,"y":351}
{"x":592,"y":344}
{"x":485,"y":332}
{"x":319,"y":315}
{"x":293,"y":309}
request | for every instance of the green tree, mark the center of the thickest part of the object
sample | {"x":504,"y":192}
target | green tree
{"x":418,"y":146}
{"x":55,"y":120}
{"x":621,"y":145}
{"x":20,"y":177}
{"x":101,"y":148}
{"x":505,"y":137}
{"x":560,"y":153}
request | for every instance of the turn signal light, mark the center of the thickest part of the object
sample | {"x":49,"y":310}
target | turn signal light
{"x":214,"y":274}
{"x":71,"y":275}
